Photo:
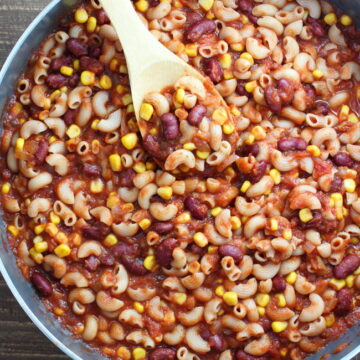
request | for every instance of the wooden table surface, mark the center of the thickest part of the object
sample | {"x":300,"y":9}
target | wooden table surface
{"x":19,"y":337}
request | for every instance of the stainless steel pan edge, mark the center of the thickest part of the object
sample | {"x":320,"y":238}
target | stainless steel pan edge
{"x":43,"y":24}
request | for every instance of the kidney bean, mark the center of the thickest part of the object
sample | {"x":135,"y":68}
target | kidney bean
{"x":310,"y":95}
{"x":162,"y":354}
{"x":152,"y":146}
{"x":321,"y":107}
{"x":196,"y":114}
{"x":192,"y":17}
{"x":91,"y":170}
{"x":213,"y":69}
{"x":124,"y":249}
{"x":252,"y":149}
{"x":126,"y":177}
{"x":134,"y":265}
{"x":242,"y":355}
{"x":94,"y":51}
{"x":200,"y":28}
{"x":94,"y":233}
{"x":344,"y":302}
{"x":73,"y":81}
{"x":279,"y":283}
{"x":162,"y":227}
{"x":56,"y":81}
{"x":317,"y":27}
{"x":318,"y":222}
{"x":69,"y":117}
{"x":291,"y":144}
{"x":258,"y":171}
{"x":205,"y":333}
{"x":254,"y":19}
{"x":56,"y":64}
{"x":217,"y":343}
{"x":164,"y":251}
{"x":106,"y":259}
{"x":197,"y":210}
{"x":102,"y":17}
{"x":42,"y":151}
{"x":76,"y":47}
{"x":273,"y":99}
{"x":230,"y":250}
{"x":245,"y":5}
{"x":240,"y":88}
{"x":170,"y":126}
{"x":347,"y":266}
{"x":41,"y":284}
{"x":343,"y":159}
{"x":90,"y":64}
{"x":336,"y":184}
{"x":286,"y":90}
{"x":91,"y":263}
{"x":196,"y":249}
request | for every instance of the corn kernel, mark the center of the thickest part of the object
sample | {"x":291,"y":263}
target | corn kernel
{"x":115,"y":162}
{"x":91,"y":24}
{"x":129,"y":141}
{"x":259,"y":132}
{"x":105,"y":82}
{"x":330,"y":320}
{"x":350,"y":281}
{"x":51,"y":229}
{"x":248,"y":57}
{"x":212,"y":249}
{"x":180,"y":298}
{"x":349,"y":185}
{"x":110,"y":240}
{"x":183,"y":218}
{"x":279,"y":326}
{"x":146,"y":111}
{"x":274,"y":224}
{"x":66,"y":70}
{"x":228,"y":74}
{"x":357,"y":271}
{"x":313,"y":150}
{"x":228,"y":128}
{"x":200,"y":239}
{"x":305,"y":215}
{"x":191,"y":50}
{"x":41,"y":246}
{"x":202,"y":154}
{"x":281,"y":300}
{"x":139,"y":167}
{"x":5,"y":188}
{"x":330,"y":19}
{"x":345,"y":20}
{"x":121,"y":89}
{"x":96,"y":186}
{"x":139,"y":353}
{"x":81,"y":16}
{"x":144,"y":224}
{"x":262,"y":299}
{"x":178,"y":4}
{"x":353,"y":118}
{"x":237,"y":47}
{"x":165,"y":192}
{"x":150,"y":262}
{"x":250,"y":86}
{"x":276,"y":176}
{"x":220,"y":115}
{"x":291,"y":278}
{"x":150,"y":165}
{"x":76,"y":239}
{"x":38,"y":229}
{"x":13,"y":230}
{"x":287,"y":234}
{"x":337,"y":284}
{"x":206,"y":4}
{"x":283,"y":352}
{"x":61,"y":237}
{"x":142,"y":5}
{"x":154,"y":131}
{"x":36,"y":256}
{"x":245,"y":186}
{"x":179,"y":95}
{"x":216,"y":211}
{"x":230,"y":298}
{"x":62,"y":250}
{"x":189,"y":146}
{"x":354,"y":240}
{"x":250,"y":139}
{"x":87,"y":78}
{"x":235,"y":222}
{"x":20,"y":142}
{"x":76,"y":65}
{"x":210,"y":15}
{"x":344,"y":112}
{"x":318,"y":74}
{"x":126,"y":99}
{"x":225,"y":60}
{"x":94,"y":124}
{"x":139,"y":307}
{"x":261,"y":310}
{"x":58,"y":311}
{"x":123,"y":353}
{"x":73,"y":131}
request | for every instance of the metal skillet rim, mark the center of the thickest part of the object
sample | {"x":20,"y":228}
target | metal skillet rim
{"x":5,"y":273}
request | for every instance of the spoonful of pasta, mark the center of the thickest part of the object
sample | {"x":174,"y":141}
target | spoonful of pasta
{"x":185,"y":124}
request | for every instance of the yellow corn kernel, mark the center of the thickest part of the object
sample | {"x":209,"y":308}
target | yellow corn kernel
{"x":76,"y":239}
{"x":62,"y":250}
{"x":287,"y":234}
{"x":52,"y":139}
{"x":165,"y":192}
{"x":202,"y":154}
{"x":183,"y":218}
{"x":215,"y":211}
{"x":262,"y":299}
{"x":318,"y":74}
{"x":357,"y":271}
{"x":139,"y":167}
{"x":250,"y":86}
{"x":345,"y":20}
{"x":281,"y":300}
{"x":250,"y":139}
{"x":81,"y":16}
{"x":353,"y":118}
{"x":248,"y":57}
{"x":87,"y":78}
{"x":245,"y":186}
{"x":73,"y":131}
{"x":139,"y":307}
{"x":146,"y":111}
{"x":191,"y":50}
{"x":112,"y":200}
{"x":142,"y":5}
{"x":13,"y":230}
{"x":189,"y":146}
{"x":5,"y":188}
{"x":129,"y":141}
{"x":313,"y":150}
{"x":330,"y":19}
{"x":228,"y":128}
{"x":58,"y":311}
{"x":354,"y":240}
{"x":115,"y":162}
{"x":212,"y":249}
{"x":150,"y":262}
{"x":274,"y":224}
{"x":55,"y":219}
{"x":55,"y":94}
{"x":110,"y":240}
{"x":51,"y":229}
{"x":279,"y":326}
{"x":38,"y":229}
{"x":144,"y":224}
{"x":237,"y":47}
{"x":76,"y":65}
{"x":66,"y":70}
{"x":337,"y":284}
{"x":291,"y":278}
{"x":283,"y":352}
{"x":210,"y":15}
{"x":330,"y":320}
{"x":200,"y":239}
{"x":150,"y":165}
{"x":349,"y":185}
{"x":337,"y":199}
{"x":127,"y":99}
{"x":275,"y":175}
{"x":228,"y":74}
{"x":225,"y":60}
{"x":127,"y":207}
{"x":259,"y":132}
{"x":20,"y":142}
{"x":230,"y":298}
{"x":94,"y":124}
{"x":350,"y":281}
{"x":220,"y":115}
{"x":344,"y":112}
{"x":36,"y":256}
{"x":123,"y":353}
{"x":114,"y":63}
{"x":180,"y":298}
{"x":235,"y":222}
{"x":121,"y":89}
{"x":206,"y":4}
{"x":179,"y":95}
{"x":154,"y":131}
{"x":61,"y":237}
{"x":139,"y":353}
{"x":41,"y":246}
{"x":47,"y":103}
{"x":305,"y":215}
{"x":91,"y":24}
{"x":96,"y":186}
{"x":105,"y":82}
{"x":17,"y":108}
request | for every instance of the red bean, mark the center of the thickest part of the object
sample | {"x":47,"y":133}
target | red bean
{"x":91,"y":170}
{"x":192,"y":17}
{"x":124,"y":249}
{"x":286,"y":90}
{"x":273,"y":99}
{"x":162,"y":354}
{"x":196,"y":249}
{"x":343,"y":159}
{"x":245,"y":5}
{"x":217,"y":343}
{"x":91,"y":64}
{"x":106,"y":259}
{"x":73,"y":81}
{"x":164,"y":251}
{"x":291,"y":144}
{"x":94,"y":51}
{"x":42,"y":151}
{"x":252,"y":149}
{"x":196,"y":114}
{"x":41,"y":284}
{"x":213,"y":69}
{"x":91,"y":263}
{"x":134,"y":265}
{"x":126,"y":178}
{"x":102,"y":17}
{"x":163,"y":227}
{"x":317,"y":27}
{"x":258,"y":171}
{"x":170,"y":126}
{"x":69,"y":117}
{"x":56,"y":64}
{"x":347,"y":266}
{"x":344,"y":302}
{"x":279,"y":283}
{"x":94,"y":232}
{"x":76,"y":47}
{"x":152,"y":146}
{"x":231,"y":250}
{"x":56,"y":81}
{"x":310,"y":95}
{"x":242,"y":355}
{"x":197,"y":210}
{"x":200,"y":28}
{"x":336,"y":184}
